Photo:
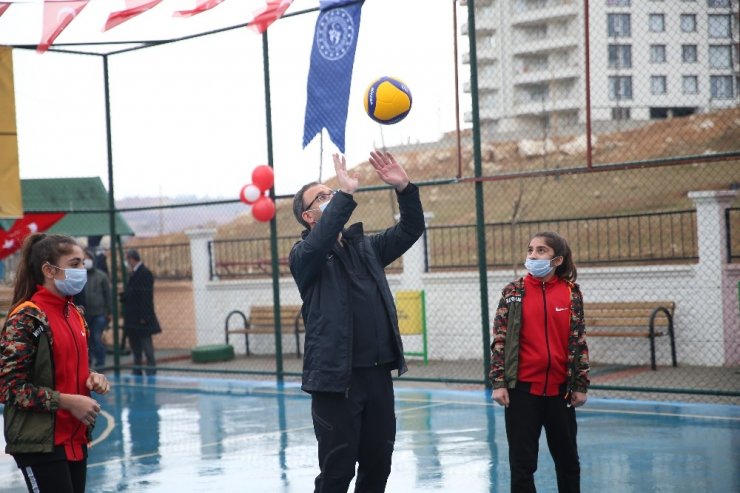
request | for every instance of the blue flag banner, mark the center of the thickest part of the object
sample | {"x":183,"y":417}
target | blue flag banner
{"x":330,"y":73}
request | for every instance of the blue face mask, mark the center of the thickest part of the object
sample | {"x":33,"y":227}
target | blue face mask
{"x":323,"y":205}
{"x":74,"y":281}
{"x":538,"y":268}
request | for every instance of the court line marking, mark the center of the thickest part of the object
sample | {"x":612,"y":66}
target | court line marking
{"x":271,"y":392}
{"x":110,"y":425}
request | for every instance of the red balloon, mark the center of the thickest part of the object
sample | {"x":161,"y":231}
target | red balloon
{"x":263,"y":177}
{"x":264,"y":209}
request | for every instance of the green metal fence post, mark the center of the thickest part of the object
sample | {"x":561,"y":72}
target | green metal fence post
{"x":479,"y":209}
{"x":273,"y":222}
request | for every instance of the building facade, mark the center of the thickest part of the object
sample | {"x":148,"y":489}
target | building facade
{"x":649,"y":59}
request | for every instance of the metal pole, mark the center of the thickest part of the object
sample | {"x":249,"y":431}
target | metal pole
{"x":587,"y":49}
{"x":112,"y":222}
{"x":479,"y":210}
{"x":273,"y":222}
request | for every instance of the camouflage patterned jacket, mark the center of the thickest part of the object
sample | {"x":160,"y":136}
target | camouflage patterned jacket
{"x":27,"y":382}
{"x":505,"y":346}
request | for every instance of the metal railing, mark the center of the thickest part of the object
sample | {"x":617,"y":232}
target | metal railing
{"x":663,"y":237}
{"x":170,"y":261}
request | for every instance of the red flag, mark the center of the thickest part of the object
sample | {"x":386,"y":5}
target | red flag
{"x":202,"y":6}
{"x":32,"y":222}
{"x":272,"y":12}
{"x":57,"y":16}
{"x":3,"y":7}
{"x":133,"y":8}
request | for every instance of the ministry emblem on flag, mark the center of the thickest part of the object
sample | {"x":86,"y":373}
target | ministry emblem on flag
{"x":335,"y":34}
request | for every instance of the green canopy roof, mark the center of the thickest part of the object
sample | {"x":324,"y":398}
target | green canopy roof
{"x":73,"y":196}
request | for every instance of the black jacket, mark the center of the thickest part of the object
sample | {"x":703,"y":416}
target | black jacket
{"x":138,"y":304}
{"x":324,"y":285}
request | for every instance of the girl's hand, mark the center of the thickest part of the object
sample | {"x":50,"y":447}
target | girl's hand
{"x":577,"y":399}
{"x":501,"y":396}
{"x":82,"y":407}
{"x":98,"y":383}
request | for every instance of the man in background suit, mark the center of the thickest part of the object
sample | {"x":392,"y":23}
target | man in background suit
{"x":139,"y":320}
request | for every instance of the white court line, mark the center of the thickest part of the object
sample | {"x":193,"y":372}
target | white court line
{"x":110,"y":424}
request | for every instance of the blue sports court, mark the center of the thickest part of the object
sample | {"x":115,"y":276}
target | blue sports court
{"x":163,"y":434}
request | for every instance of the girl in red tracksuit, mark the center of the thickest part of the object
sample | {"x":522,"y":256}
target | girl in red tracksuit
{"x":539,"y":363}
{"x":45,"y":381}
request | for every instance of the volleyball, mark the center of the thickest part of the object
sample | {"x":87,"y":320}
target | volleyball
{"x":387,"y":100}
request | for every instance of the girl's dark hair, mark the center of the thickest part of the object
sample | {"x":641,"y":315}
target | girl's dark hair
{"x":37,"y":249}
{"x":567,"y":269}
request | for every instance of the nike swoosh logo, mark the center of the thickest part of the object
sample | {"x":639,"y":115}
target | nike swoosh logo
{"x":558,"y":309}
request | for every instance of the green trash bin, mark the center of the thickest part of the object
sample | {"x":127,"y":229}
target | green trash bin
{"x":212,"y":353}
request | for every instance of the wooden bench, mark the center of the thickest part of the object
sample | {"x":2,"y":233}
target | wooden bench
{"x":261,"y":320}
{"x":648,"y":319}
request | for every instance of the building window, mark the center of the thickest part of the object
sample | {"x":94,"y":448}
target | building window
{"x":657,"y":54}
{"x":620,"y":88}
{"x":658,"y":84}
{"x":688,"y":23}
{"x":721,"y":87}
{"x":656,"y":23}
{"x":620,"y":56}
{"x":719,"y":26}
{"x":618,"y":25}
{"x":720,"y":56}
{"x":690,"y":84}
{"x":618,"y":3}
{"x":689,"y":54}
{"x":718,"y":3}
{"x":621,"y":114}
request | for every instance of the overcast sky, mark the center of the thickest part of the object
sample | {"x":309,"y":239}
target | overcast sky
{"x":189,"y":119}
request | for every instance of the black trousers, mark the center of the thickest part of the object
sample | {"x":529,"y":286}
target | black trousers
{"x":143,"y":343}
{"x":56,"y":477}
{"x":525,"y":417}
{"x":359,"y":428}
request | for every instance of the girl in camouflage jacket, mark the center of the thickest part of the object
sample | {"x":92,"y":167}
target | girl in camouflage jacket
{"x":45,"y":380}
{"x":539,"y":362}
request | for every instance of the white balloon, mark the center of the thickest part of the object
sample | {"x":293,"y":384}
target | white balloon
{"x":250,"y":194}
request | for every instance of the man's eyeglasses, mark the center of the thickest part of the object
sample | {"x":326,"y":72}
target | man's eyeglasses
{"x":320,"y":198}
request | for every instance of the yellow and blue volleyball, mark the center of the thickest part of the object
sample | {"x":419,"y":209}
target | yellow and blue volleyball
{"x":387,"y":100}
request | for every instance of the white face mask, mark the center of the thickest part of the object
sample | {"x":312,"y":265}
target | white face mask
{"x":74,"y":281}
{"x":323,"y":205}
{"x":88,"y":264}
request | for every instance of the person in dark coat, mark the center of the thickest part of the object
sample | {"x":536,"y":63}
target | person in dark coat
{"x":352,"y":337}
{"x":139,"y":320}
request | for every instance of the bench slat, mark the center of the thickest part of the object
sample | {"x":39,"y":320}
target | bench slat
{"x":603,"y":313}
{"x":623,"y":334}
{"x":624,"y":322}
{"x":626,"y":305}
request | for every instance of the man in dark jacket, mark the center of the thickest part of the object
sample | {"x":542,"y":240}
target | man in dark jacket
{"x":352,"y":337}
{"x":139,"y":320}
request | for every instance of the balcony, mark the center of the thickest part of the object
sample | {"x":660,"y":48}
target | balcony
{"x":542,"y":74}
{"x":485,"y":84}
{"x":533,"y":106}
{"x":551,"y":10}
{"x":485,"y":114}
{"x":545,"y":44}
{"x":485,"y":54}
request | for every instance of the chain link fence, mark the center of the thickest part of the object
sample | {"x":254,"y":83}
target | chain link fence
{"x":617,"y":127}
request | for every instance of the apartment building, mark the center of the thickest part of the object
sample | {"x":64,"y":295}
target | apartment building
{"x":648,"y":59}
